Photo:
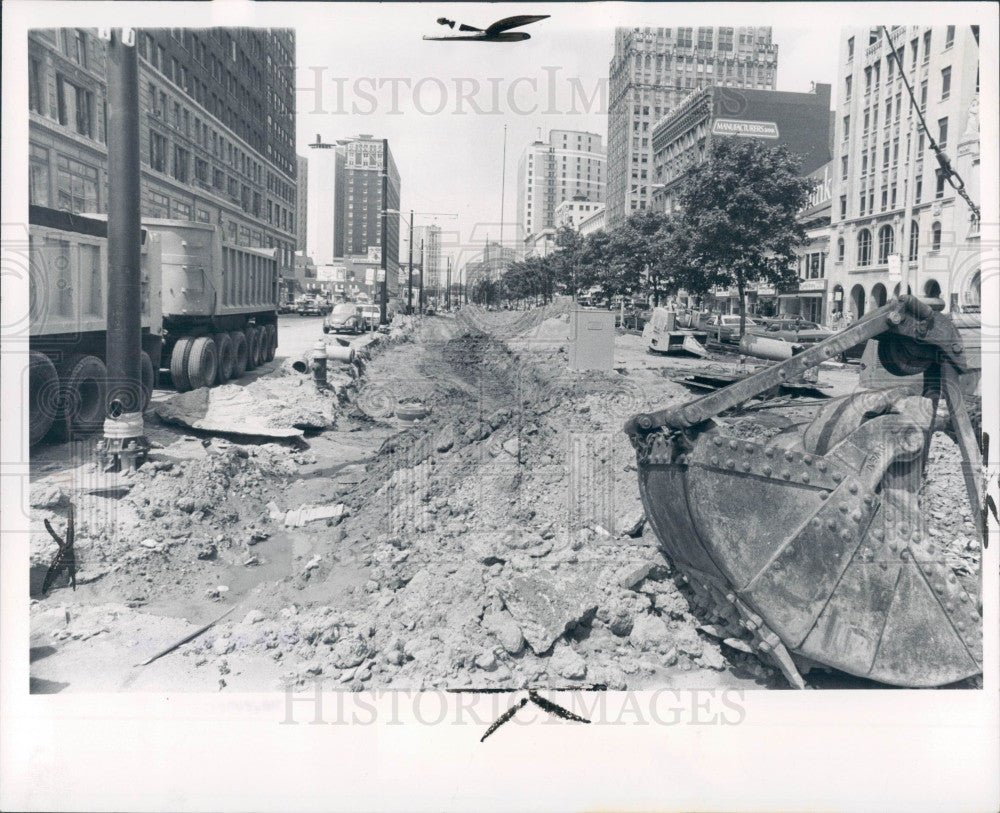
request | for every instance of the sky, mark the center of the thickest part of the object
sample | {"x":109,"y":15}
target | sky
{"x":444,"y":105}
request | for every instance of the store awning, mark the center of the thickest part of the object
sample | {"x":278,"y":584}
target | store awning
{"x":802,"y":295}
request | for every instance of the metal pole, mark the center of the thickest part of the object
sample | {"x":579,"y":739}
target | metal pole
{"x":421,"y":276}
{"x":409,"y":280}
{"x":123,"y":408}
{"x":384,"y":304}
{"x":448,"y":292}
{"x":503,"y":184}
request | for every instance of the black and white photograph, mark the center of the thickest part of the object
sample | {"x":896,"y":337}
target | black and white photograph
{"x":525,"y":356}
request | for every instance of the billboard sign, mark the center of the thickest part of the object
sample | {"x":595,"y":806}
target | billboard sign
{"x":741,"y":127}
{"x":374,"y":254}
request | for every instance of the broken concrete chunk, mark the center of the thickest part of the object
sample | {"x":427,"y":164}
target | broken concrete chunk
{"x":506,"y":631}
{"x":568,"y":663}
{"x":305,"y":514}
{"x":649,"y":632}
{"x":545,"y":605}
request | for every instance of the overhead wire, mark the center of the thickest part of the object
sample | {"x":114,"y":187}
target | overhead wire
{"x":947,"y":170}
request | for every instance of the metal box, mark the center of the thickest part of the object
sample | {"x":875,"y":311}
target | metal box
{"x":592,"y":340}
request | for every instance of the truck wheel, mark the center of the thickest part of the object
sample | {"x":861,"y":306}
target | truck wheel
{"x":224,"y":345}
{"x":43,"y":395}
{"x":84,"y":394}
{"x":203,"y":363}
{"x":179,"y":363}
{"x":147,"y":377}
{"x":239,"y":353}
{"x":272,"y":342}
{"x":253,"y":347}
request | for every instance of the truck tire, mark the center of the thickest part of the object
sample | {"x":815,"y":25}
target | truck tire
{"x":253,"y":348}
{"x":85,"y":392}
{"x":43,"y":395}
{"x":272,"y":342}
{"x":224,"y":346}
{"x":239,"y":353}
{"x":178,"y":364}
{"x":147,"y":377}
{"x":203,"y":363}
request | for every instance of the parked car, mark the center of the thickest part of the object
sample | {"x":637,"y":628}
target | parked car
{"x":371,"y":316}
{"x":729,"y":330}
{"x":798,"y":331}
{"x":286,"y":307}
{"x":344,"y":318}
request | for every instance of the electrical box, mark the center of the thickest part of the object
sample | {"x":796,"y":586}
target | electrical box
{"x":592,"y":340}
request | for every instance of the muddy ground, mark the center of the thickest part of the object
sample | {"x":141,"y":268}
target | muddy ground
{"x":495,"y":543}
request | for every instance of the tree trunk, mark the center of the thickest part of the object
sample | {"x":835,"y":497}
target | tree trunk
{"x":743,"y":308}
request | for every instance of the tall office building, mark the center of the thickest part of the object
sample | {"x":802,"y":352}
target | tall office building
{"x":570,"y":165}
{"x":359,"y":203}
{"x":324,"y":240}
{"x":894,"y":215}
{"x":301,"y":202}
{"x":216,"y":128}
{"x":651,"y":72}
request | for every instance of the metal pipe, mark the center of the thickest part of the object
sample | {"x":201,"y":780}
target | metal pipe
{"x":124,"y":333}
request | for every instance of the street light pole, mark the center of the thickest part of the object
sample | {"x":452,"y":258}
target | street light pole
{"x":384,"y":305}
{"x":421,"y":273}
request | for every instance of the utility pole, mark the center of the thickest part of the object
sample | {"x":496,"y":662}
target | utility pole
{"x":409,"y":278}
{"x":384,"y":305}
{"x":503,"y":185}
{"x":421,"y":273}
{"x":448,"y":291}
{"x":124,"y":442}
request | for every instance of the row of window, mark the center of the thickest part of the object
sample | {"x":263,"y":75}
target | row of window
{"x":886,"y":244}
{"x":873,"y":71}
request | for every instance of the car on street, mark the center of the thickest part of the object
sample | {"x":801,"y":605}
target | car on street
{"x":309,"y":306}
{"x":797,"y":331}
{"x":344,"y":318}
{"x":371,"y":316}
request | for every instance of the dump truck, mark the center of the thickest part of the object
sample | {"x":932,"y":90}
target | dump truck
{"x":809,"y":547}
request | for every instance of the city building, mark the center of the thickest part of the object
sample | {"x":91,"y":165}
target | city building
{"x":324,"y":239}
{"x":572,"y":212}
{"x":489,"y":263}
{"x":894,"y":216}
{"x":682,"y":138}
{"x":808,"y":298}
{"x":593,"y":222}
{"x":651,"y":72}
{"x":569,"y":165}
{"x":217,"y":128}
{"x":301,"y":202}
{"x":541,"y":243}
{"x":361,"y":208}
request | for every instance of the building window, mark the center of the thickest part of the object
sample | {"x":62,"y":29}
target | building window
{"x":886,"y":243}
{"x":939,"y":189}
{"x":843,"y":207}
{"x":864,"y":248}
{"x":867,"y":119}
{"x":943,"y":132}
{"x":157,"y":152}
{"x":38,"y":176}
{"x":203,"y":216}
{"x":927,"y":46}
{"x":949,"y":36}
{"x":847,"y":89}
{"x":850,"y":48}
{"x":840,"y":249}
{"x":36,"y":93}
{"x":76,"y":186}
{"x":885,"y":198}
{"x":843,"y":167}
{"x":159,"y":205}
{"x":914,"y":46}
{"x":847,"y":127}
{"x":182,"y":211}
{"x":181,"y":161}
{"x":936,"y":236}
{"x":914,"y":240}
{"x":75,"y":107}
{"x":918,"y":188}
{"x":75,"y":45}
{"x":945,"y":83}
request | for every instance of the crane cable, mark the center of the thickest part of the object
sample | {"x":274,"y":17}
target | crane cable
{"x":949,"y":172}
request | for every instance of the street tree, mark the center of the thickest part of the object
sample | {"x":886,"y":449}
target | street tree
{"x":738,"y":218}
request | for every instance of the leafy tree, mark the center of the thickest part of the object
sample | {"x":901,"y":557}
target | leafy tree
{"x":738,"y":220}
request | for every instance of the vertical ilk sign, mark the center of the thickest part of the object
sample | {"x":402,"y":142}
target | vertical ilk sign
{"x":364,"y":155}
{"x":749,"y":129}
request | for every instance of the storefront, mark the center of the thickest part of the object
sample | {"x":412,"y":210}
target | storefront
{"x":807,"y":301}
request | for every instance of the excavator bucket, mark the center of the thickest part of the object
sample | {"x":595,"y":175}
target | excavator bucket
{"x":811,"y":542}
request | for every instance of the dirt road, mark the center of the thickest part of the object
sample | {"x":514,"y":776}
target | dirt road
{"x":495,"y":543}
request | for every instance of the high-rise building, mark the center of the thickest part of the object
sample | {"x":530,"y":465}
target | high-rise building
{"x":217,"y":128}
{"x":651,"y":72}
{"x":895,"y":217}
{"x":324,"y":240}
{"x":569,"y":165}
{"x":360,"y":204}
{"x":301,"y":202}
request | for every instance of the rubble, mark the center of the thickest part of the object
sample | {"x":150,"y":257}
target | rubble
{"x":545,"y":605}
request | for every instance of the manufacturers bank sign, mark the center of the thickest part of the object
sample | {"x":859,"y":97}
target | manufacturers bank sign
{"x":741,"y":127}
